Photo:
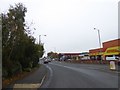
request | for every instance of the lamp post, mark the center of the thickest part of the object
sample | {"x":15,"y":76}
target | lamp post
{"x":40,"y":41}
{"x":99,"y":41}
{"x":40,"y":38}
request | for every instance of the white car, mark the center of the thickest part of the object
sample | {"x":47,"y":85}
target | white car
{"x":112,"y":58}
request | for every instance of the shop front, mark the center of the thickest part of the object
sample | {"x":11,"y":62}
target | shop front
{"x":112,"y":53}
{"x":96,"y":55}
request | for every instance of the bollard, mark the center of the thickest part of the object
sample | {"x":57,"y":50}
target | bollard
{"x":112,"y":65}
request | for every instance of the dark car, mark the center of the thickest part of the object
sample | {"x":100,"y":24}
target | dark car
{"x":46,"y":62}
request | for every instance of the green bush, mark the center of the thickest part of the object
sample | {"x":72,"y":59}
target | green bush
{"x":27,"y":69}
{"x":4,"y":73}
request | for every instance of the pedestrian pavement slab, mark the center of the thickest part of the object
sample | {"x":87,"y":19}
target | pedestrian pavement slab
{"x":31,"y":81}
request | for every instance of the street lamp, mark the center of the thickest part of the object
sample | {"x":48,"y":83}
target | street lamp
{"x":40,"y":38}
{"x":98,"y":36}
{"x":40,"y":41}
{"x":99,"y":40}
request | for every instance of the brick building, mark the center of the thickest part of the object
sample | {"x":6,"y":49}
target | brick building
{"x":110,"y":49}
{"x":66,"y":56}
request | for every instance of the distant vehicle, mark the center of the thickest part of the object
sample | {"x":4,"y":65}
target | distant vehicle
{"x":112,"y":58}
{"x":49,"y":60}
{"x":53,"y":59}
{"x":85,"y":58}
{"x":69,"y":59}
{"x":46,"y":62}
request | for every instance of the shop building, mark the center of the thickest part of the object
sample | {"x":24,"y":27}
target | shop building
{"x":84,"y":56}
{"x":69,"y":56}
{"x":110,"y":51}
{"x":96,"y":54}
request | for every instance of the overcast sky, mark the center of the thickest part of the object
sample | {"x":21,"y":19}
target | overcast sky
{"x":69,"y":24}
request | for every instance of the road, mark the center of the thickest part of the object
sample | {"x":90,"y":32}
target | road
{"x":67,"y":75}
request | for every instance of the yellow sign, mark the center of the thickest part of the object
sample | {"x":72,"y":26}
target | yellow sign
{"x":112,"y":51}
{"x":97,"y":53}
{"x":109,"y":51}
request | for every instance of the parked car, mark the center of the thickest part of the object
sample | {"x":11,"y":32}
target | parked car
{"x":112,"y":58}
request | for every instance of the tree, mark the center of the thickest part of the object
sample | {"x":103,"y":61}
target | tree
{"x":12,"y":30}
{"x":52,"y":55}
{"x":19,"y":50}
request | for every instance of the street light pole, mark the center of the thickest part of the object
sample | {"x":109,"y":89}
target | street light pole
{"x":99,"y":41}
{"x":98,"y":36}
{"x":40,"y":43}
{"x":40,"y":38}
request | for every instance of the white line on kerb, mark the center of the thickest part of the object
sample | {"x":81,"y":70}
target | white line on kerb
{"x":35,"y":86}
{"x":27,"y":85}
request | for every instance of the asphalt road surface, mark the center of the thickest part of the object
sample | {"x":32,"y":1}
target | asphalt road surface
{"x":67,"y":75}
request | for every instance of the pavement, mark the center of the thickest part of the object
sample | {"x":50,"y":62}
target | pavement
{"x":31,"y":82}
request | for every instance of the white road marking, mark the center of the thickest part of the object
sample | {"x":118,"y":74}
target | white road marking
{"x":42,"y":80}
{"x":50,"y":77}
